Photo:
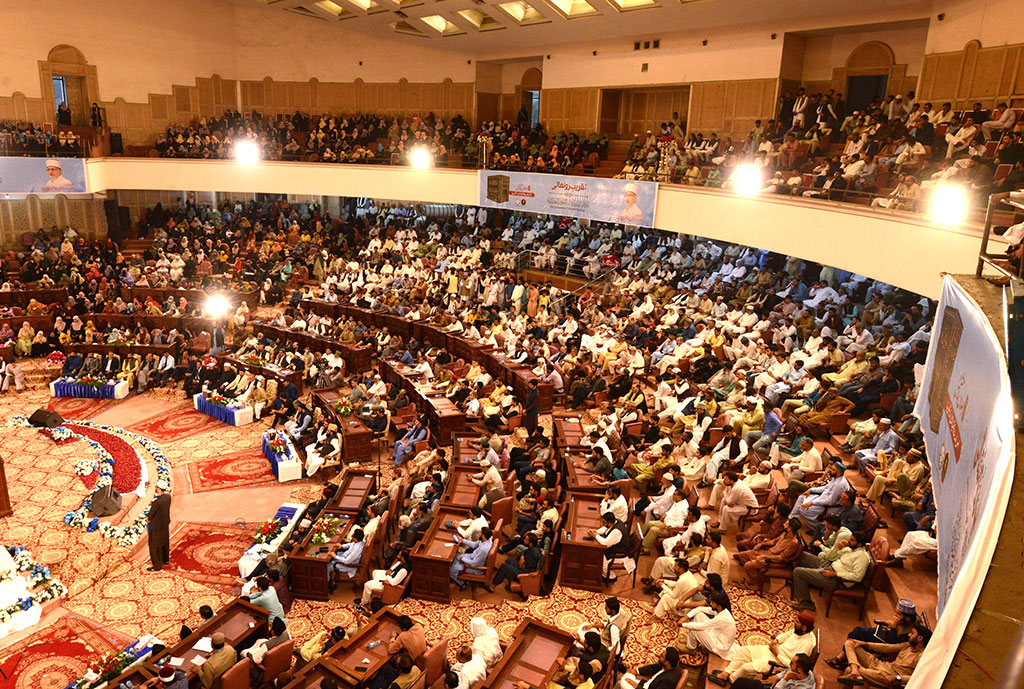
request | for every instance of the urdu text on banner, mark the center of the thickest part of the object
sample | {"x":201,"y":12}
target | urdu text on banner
{"x":604,"y":200}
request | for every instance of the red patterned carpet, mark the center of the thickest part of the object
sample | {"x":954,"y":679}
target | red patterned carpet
{"x":208,"y":553}
{"x":235,"y":470}
{"x":79,"y":407}
{"x":57,"y":655}
{"x":181,"y":421}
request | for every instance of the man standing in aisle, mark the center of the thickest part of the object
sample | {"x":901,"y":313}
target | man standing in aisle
{"x":159,"y":528}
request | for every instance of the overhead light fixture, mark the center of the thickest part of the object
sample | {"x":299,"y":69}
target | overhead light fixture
{"x":949,"y":204}
{"x":246,"y":152}
{"x":746,"y":179}
{"x":421,"y":158}
{"x":217,"y":306}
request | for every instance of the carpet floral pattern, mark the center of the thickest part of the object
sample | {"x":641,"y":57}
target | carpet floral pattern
{"x":208,"y":553}
{"x":79,"y":407}
{"x":181,"y":421}
{"x":58,"y":654}
{"x":235,"y":470}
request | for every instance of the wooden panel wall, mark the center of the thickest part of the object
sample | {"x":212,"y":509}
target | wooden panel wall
{"x":139,"y":123}
{"x":18,"y":216}
{"x":643,"y":109}
{"x":990,"y":75}
{"x":575,"y":110}
{"x":731,"y":107}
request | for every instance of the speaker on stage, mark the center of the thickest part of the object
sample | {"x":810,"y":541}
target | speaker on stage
{"x":106,"y":501}
{"x":45,"y":418}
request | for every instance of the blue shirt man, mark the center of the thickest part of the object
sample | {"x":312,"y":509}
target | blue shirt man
{"x":474,"y":559}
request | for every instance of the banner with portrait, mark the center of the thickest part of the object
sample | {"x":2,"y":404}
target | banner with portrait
{"x":42,"y":176}
{"x":604,"y":200}
{"x":966,"y":414}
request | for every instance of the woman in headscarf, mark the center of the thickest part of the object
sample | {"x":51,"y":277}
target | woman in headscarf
{"x":39,"y":344}
{"x":35,"y":308}
{"x":77,"y":329}
{"x":6,"y":333}
{"x":485,"y":641}
{"x":89,"y":332}
{"x":23,"y":347}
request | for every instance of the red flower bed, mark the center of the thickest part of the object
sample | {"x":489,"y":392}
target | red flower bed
{"x":127,"y":469}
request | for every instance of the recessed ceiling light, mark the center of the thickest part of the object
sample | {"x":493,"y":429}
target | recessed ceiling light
{"x":574,"y":8}
{"x":441,"y":25}
{"x":522,"y":12}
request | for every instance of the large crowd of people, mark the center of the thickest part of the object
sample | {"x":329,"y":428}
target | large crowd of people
{"x":896,"y":145}
{"x":704,"y":375}
{"x":380,"y":139}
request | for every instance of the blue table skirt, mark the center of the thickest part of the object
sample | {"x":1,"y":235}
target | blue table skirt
{"x":65,"y":388}
{"x":217,"y":411}
{"x":274,"y":458}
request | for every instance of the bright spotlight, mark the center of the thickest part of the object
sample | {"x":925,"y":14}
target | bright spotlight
{"x":746,"y":179}
{"x":421,"y":158}
{"x":217,"y":306}
{"x":246,"y":152}
{"x":949,"y":204}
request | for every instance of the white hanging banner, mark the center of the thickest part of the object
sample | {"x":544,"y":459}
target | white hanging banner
{"x":966,"y":416}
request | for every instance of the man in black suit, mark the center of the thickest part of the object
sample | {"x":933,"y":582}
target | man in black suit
{"x":663,"y":674}
{"x":159,"y":528}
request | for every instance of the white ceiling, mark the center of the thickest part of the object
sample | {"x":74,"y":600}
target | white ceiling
{"x":453,"y":24}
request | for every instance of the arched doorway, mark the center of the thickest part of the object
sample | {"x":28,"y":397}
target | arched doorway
{"x":867,"y":74}
{"x":529,"y":88}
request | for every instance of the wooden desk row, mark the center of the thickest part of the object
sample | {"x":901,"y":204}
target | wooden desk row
{"x":307,"y":563}
{"x":21,"y":297}
{"x":239,"y":621}
{"x":443,"y":418}
{"x":514,"y":375}
{"x":194,"y":296}
{"x":351,"y":662}
{"x":357,"y":359}
{"x":357,"y":440}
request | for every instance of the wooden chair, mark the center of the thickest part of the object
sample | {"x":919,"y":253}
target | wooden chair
{"x":626,"y":486}
{"x":277,"y":660}
{"x":857,"y":594}
{"x":491,"y":566}
{"x":871,"y":518}
{"x":434,"y":662}
{"x":780,"y":569}
{"x":635,"y":546}
{"x":237,"y":676}
{"x":531,"y":584}
{"x":421,"y":445}
{"x":503,"y":510}
{"x":392,"y":594}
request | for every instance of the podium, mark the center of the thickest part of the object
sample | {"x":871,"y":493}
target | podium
{"x":5,"y":500}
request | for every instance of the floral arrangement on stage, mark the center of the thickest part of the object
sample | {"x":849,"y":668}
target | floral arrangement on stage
{"x":126,"y":535}
{"x":85,"y":467}
{"x":210,"y":362}
{"x":121,"y":341}
{"x":39,"y":577}
{"x":113,"y":665}
{"x":92,"y":381}
{"x":278,"y":442}
{"x":221,"y":400}
{"x":343,"y":407}
{"x":323,"y":531}
{"x":254,"y":360}
{"x":55,"y":359}
{"x":60,"y":435}
{"x":102,"y":672}
{"x":268,"y":531}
